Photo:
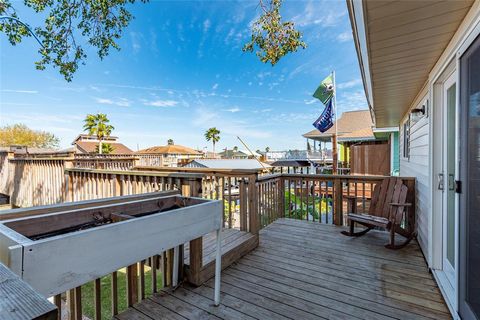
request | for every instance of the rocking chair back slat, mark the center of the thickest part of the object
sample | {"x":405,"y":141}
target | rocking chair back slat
{"x":374,"y":199}
{"x":397,"y":212}
{"x":394,"y":185}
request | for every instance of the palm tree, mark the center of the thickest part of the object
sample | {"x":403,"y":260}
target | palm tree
{"x":106,"y":148}
{"x":213,"y":134}
{"x":98,"y":125}
{"x":170,"y":142}
{"x":267,"y":149}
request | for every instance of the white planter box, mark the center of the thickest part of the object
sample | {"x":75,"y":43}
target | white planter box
{"x":54,"y":264}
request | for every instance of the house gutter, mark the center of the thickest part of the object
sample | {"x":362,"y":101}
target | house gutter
{"x":356,"y":9}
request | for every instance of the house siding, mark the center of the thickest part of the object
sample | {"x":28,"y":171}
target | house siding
{"x":417,"y":165}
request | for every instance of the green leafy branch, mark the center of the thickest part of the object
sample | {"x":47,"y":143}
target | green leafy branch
{"x":101,"y":22}
{"x":273,"y":37}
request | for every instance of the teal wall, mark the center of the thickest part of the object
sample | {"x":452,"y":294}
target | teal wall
{"x":395,"y":145}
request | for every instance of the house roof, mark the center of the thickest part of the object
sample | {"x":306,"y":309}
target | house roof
{"x":227,"y":164}
{"x":362,"y":134}
{"x":90,"y":147}
{"x":351,"y":125}
{"x":93,"y":137}
{"x":398,"y":43}
{"x":169,"y":149}
{"x":233,"y":153}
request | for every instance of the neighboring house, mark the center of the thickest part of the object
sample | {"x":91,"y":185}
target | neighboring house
{"x":227,"y":164}
{"x":172,"y":155}
{"x":86,"y":144}
{"x":420,"y":64}
{"x":360,"y":148}
{"x":233,"y":154}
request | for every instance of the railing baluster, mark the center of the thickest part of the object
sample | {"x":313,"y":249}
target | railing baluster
{"x":58,"y":302}
{"x":98,"y":299}
{"x":78,"y":303}
{"x":71,"y":304}
{"x":114,"y":293}
{"x":153,"y":272}
{"x":132,"y":285}
{"x":142,"y":280}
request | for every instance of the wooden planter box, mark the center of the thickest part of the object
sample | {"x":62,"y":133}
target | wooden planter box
{"x":62,"y":250}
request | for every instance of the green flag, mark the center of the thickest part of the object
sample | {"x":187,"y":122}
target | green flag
{"x":325,"y":90}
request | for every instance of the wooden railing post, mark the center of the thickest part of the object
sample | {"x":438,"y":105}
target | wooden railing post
{"x":253,"y":204}
{"x":196,"y":246}
{"x":338,"y":202}
{"x":281,"y":196}
{"x":243,"y":204}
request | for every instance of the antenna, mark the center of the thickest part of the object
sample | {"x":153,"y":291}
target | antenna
{"x":251,"y":152}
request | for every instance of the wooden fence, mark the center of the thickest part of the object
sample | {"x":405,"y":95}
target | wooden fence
{"x":36,"y":180}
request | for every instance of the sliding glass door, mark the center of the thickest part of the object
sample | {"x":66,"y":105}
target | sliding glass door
{"x":469,"y":300}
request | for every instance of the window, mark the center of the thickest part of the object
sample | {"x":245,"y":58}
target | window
{"x":406,"y":139}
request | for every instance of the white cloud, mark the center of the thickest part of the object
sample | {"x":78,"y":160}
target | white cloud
{"x":310,"y":101}
{"x":206,"y":25}
{"x":349,"y":84}
{"x":233,"y":110}
{"x":345,"y":36}
{"x":20,"y":91}
{"x":161,"y":103}
{"x":315,"y":14}
{"x":352,"y":101}
{"x":135,"y":38}
{"x":121,"y":102}
{"x":215,"y":86}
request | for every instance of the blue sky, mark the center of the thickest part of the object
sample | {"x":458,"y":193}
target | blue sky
{"x":181,"y":70}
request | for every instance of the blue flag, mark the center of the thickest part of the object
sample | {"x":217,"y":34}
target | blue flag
{"x":325,"y":121}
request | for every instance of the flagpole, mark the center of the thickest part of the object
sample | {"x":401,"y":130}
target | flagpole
{"x":334,"y":140}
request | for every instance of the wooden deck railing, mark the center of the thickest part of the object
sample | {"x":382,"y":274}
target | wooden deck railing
{"x":236,"y":187}
{"x":119,"y":163}
{"x":318,"y":198}
{"x":38,"y":179}
{"x":87,"y":184}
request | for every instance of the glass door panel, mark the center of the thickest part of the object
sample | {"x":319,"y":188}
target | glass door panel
{"x":470,"y":177}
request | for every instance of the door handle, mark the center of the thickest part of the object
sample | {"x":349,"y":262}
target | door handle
{"x":440,"y":181}
{"x":451,"y":182}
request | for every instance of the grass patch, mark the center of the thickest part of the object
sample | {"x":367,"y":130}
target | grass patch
{"x":88,"y":302}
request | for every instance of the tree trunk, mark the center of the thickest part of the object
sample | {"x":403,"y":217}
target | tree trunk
{"x":100,"y":147}
{"x":213,"y":149}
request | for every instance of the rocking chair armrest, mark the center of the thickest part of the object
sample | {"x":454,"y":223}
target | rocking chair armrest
{"x":395,"y":204}
{"x":394,"y":215}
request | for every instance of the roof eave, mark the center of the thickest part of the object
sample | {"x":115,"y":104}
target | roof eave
{"x":357,"y":21}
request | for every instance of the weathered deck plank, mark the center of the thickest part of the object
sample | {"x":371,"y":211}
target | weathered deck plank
{"x":306,"y":270}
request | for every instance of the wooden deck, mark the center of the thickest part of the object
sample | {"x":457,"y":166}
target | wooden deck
{"x":305,"y":270}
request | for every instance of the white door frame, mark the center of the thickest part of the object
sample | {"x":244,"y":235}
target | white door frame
{"x":450,"y":290}
{"x":450,"y":271}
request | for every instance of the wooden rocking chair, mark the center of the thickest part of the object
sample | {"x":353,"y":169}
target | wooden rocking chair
{"x":387,"y":210}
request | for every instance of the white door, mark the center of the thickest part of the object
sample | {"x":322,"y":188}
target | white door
{"x":449,"y":177}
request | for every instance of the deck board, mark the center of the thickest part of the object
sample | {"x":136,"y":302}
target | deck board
{"x":307,"y":270}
